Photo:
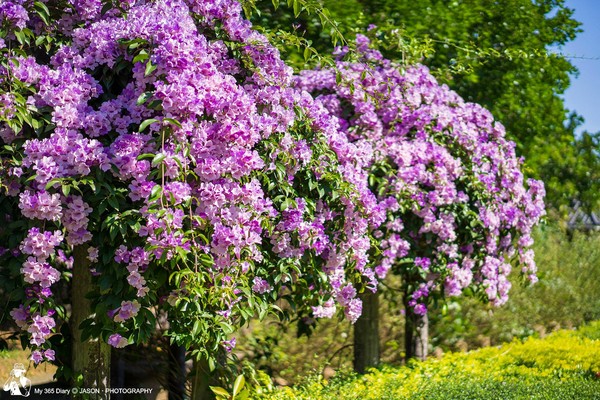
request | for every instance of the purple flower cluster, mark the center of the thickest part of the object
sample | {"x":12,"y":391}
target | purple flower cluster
{"x":13,"y":13}
{"x":40,"y":205}
{"x":211,"y":101}
{"x":37,"y":271}
{"x":137,"y":261}
{"x":38,"y":356}
{"x":449,"y":181}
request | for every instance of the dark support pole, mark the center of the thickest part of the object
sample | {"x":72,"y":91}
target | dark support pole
{"x":91,"y":358}
{"x":366,"y":334}
{"x":176,"y":378}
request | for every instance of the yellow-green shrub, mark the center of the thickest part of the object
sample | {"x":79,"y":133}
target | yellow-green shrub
{"x":563,"y":365}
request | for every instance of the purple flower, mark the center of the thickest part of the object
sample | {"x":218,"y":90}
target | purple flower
{"x":49,"y":354}
{"x":118,"y":341}
{"x":260,"y":285}
{"x":37,"y":356}
{"x":40,"y":329}
{"x":327,"y":310}
{"x":420,"y":309}
{"x":423,"y":262}
{"x":353,"y":310}
{"x":40,"y":245}
{"x":128,"y":309}
{"x":410,"y":129}
{"x":20,"y":316}
{"x":40,"y":205}
{"x":34,"y":271}
{"x":229,"y":344}
{"x":14,"y":13}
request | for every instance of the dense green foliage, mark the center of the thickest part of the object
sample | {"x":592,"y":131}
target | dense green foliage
{"x":564,"y":365}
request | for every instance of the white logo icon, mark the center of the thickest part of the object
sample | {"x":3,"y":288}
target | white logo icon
{"x":17,"y":383}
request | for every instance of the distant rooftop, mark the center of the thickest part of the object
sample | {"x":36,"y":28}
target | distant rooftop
{"x":579,"y":219}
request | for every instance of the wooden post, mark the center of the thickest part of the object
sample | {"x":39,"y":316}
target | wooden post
{"x":416,"y":334}
{"x":366,"y":334}
{"x":91,"y":358}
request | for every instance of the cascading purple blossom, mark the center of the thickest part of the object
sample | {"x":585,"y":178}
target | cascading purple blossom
{"x":169,"y":139}
{"x":174,"y":127}
{"x":457,"y":204}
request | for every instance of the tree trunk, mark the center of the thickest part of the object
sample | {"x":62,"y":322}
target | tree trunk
{"x":91,"y":358}
{"x":416,"y":334}
{"x":366,"y":334}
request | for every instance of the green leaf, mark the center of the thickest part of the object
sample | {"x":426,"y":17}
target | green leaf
{"x":52,"y":182}
{"x":149,"y":68}
{"x":147,"y":123}
{"x":156,"y":192}
{"x":173,"y":121}
{"x":36,"y":124}
{"x":196,"y":328}
{"x":92,"y":185}
{"x":155,"y":104}
{"x":141,"y":56}
{"x":239,"y":383}
{"x":21,"y":37}
{"x":297,"y":9}
{"x":66,"y":189}
{"x":144,"y":97}
{"x":42,"y":11}
{"x":219,"y":391}
{"x":113,"y":203}
{"x":158,"y":159}
{"x":145,"y":155}
{"x":244,"y":394}
{"x":108,"y":6}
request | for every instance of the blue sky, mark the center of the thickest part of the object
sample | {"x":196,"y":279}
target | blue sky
{"x":583,"y":96}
